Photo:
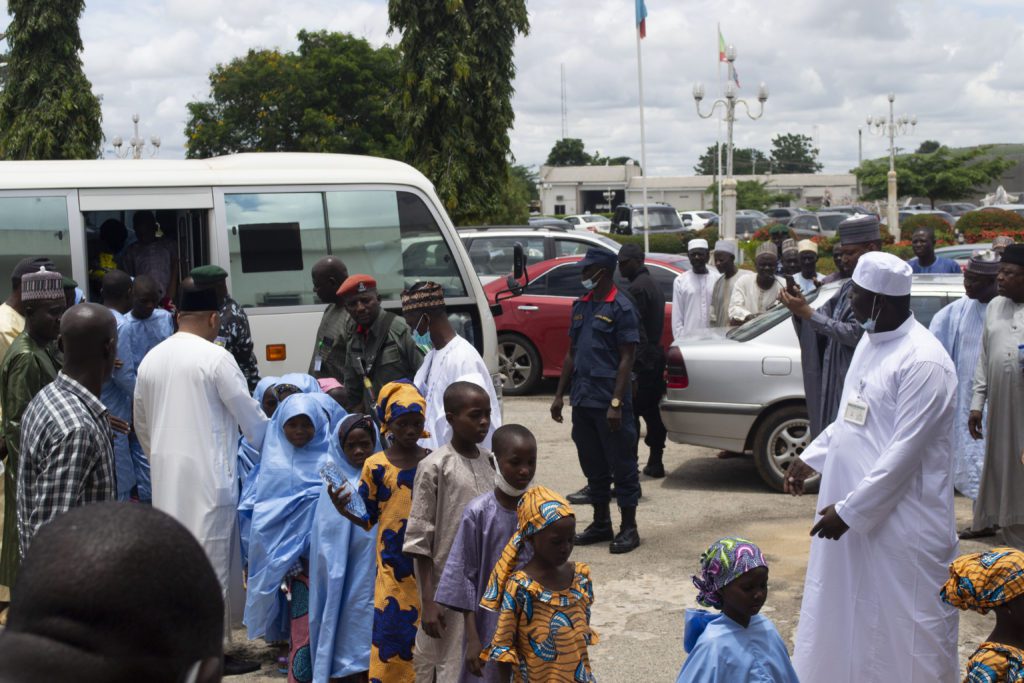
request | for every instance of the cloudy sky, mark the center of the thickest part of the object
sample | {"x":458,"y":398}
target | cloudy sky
{"x":957,"y":64}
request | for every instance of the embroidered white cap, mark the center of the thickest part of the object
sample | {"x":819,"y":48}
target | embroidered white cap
{"x":883,"y":273}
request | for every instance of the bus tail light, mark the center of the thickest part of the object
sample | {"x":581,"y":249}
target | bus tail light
{"x":675,"y":369}
{"x":277,"y":352}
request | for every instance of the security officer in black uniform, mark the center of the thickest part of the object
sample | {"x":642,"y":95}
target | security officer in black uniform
{"x":603,"y":336}
{"x":649,"y":365}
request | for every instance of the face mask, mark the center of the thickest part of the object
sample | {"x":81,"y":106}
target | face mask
{"x":590,"y":283}
{"x":503,"y":485}
{"x":422,"y":339}
{"x":869,"y":324}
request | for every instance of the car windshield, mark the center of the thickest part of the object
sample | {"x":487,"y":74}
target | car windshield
{"x":657,"y":218}
{"x":763,"y":323}
{"x":608,"y":242}
{"x":592,"y":219}
{"x":832,"y":222}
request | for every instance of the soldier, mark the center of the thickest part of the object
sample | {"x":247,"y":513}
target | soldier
{"x":234,"y":323}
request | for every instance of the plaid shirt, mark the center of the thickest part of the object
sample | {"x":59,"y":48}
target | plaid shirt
{"x":67,"y":458}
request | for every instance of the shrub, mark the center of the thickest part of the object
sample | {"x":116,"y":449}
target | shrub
{"x":996,"y":221}
{"x":943,"y":231}
{"x":665,"y":244}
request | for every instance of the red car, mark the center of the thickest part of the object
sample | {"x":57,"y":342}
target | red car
{"x":533,"y":329}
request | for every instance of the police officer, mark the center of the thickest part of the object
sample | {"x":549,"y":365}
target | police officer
{"x":603,"y":336}
{"x":649,"y":365}
{"x":234,"y":335}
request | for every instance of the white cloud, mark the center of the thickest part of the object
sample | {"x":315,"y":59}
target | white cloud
{"x":956,"y":64}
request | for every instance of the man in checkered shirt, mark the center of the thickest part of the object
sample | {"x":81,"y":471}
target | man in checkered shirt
{"x":67,"y":458}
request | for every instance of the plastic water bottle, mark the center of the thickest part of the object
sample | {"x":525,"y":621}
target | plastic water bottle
{"x":334,"y":478}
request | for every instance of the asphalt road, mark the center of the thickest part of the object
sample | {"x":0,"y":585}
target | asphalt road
{"x":640,"y":597}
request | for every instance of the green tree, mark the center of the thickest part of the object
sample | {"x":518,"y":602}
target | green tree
{"x":929,"y":146}
{"x":330,"y":95}
{"x":569,"y":152}
{"x":456,"y":96}
{"x":944,"y":174}
{"x":47,"y":107}
{"x":745,"y":161}
{"x":794,"y":153}
{"x":751,"y":194}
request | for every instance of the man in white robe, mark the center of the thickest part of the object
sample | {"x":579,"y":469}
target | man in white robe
{"x":691,"y":292}
{"x":450,"y":359}
{"x":959,"y":328}
{"x":191,"y":398}
{"x":726,"y":251}
{"x":753,"y":296}
{"x":885,"y":533}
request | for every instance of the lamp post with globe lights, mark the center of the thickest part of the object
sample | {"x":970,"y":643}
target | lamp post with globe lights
{"x":893,"y":126}
{"x":728,"y":104}
{"x":136,"y":144}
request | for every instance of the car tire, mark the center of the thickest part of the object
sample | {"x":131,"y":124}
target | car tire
{"x":519,"y":365}
{"x":780,"y":439}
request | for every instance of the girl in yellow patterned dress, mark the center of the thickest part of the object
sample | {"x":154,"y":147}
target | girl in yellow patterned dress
{"x":992,"y":580}
{"x":544,"y":609}
{"x":386,"y":491}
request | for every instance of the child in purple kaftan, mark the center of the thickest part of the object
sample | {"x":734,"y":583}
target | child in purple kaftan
{"x":488,"y":522}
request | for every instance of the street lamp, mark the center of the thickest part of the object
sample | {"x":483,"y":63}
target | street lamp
{"x":892,"y":127}
{"x":136,"y":144}
{"x":728,"y":103}
{"x":609,"y":195}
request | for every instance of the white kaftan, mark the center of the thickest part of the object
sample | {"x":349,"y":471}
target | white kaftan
{"x":870,"y":609}
{"x":190,"y":400}
{"x":691,"y":302}
{"x":457,"y":361}
{"x":748,"y":298}
{"x":959,"y":328}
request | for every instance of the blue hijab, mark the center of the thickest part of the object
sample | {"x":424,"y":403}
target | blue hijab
{"x":249,"y":455}
{"x":287,"y":488}
{"x":342,"y":570}
{"x":306,"y":383}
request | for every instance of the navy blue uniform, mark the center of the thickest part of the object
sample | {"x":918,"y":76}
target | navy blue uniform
{"x":597,"y":331}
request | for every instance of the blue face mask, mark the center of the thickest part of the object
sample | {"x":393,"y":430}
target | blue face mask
{"x":869,"y":324}
{"x":422,"y":339}
{"x":590,"y":283}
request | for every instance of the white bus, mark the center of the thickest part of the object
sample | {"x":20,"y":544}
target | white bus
{"x":264,"y":218}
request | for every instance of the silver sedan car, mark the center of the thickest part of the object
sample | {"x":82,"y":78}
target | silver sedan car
{"x":743,"y":390}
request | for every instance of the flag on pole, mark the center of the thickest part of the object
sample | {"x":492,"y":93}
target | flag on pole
{"x":722,"y":58}
{"x":641,"y":17}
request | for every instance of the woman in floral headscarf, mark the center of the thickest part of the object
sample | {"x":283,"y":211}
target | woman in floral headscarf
{"x":386,"y":489}
{"x":738,"y":644}
{"x":992,"y":580}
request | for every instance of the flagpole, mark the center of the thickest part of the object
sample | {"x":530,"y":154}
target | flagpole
{"x":643,"y":140}
{"x":718,"y":139}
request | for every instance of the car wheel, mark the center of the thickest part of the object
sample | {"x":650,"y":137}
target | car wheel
{"x":781,"y":439}
{"x":519,"y":365}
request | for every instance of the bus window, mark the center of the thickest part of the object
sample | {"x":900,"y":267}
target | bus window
{"x":274,"y":239}
{"x":33,"y":226}
{"x":392,"y":236}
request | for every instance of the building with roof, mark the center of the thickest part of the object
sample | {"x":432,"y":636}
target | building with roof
{"x":584,"y":189}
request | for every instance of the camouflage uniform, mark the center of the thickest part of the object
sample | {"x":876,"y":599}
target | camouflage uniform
{"x":237,"y":339}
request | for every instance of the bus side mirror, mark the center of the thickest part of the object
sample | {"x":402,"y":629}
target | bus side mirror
{"x":513,"y":287}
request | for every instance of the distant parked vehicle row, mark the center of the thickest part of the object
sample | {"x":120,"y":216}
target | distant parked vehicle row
{"x":821,"y":224}
{"x":697,"y":220}
{"x":956,"y":208}
{"x":491,"y":247}
{"x":590,"y":223}
{"x":661,"y":218}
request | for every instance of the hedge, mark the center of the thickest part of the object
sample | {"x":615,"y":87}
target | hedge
{"x":942,"y":229}
{"x":993,"y":221}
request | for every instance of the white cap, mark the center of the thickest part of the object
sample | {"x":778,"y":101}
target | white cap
{"x":697,"y":244}
{"x":727,"y":246}
{"x":883,"y":273}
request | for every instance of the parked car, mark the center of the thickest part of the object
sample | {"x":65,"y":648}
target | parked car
{"x":754,"y":212}
{"x":785,"y":214}
{"x":551,"y":222}
{"x":743,"y":390}
{"x":852,"y":210}
{"x":590,"y":223}
{"x":961,"y":253}
{"x":904,"y":214}
{"x":746,"y":226}
{"x":490,"y":247}
{"x":533,"y":329}
{"x":696,"y":220}
{"x":662,"y":218}
{"x":821,"y":224}
{"x":956,"y":208}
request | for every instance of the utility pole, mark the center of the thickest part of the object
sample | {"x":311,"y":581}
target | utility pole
{"x":565,"y":108}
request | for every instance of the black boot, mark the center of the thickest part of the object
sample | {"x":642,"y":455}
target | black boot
{"x":581,"y":497}
{"x":600,"y":530}
{"x":654,"y":468}
{"x":628,"y":538}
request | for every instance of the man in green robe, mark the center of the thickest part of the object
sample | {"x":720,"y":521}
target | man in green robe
{"x":30,"y":364}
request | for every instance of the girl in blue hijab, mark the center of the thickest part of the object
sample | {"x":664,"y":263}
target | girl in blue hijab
{"x":342,"y":565}
{"x":287,"y":488}
{"x":249,"y":455}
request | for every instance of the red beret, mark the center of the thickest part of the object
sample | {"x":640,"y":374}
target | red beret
{"x":357,"y":284}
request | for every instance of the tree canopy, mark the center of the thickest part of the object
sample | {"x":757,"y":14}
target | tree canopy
{"x":794,"y":153}
{"x":745,"y":161}
{"x":455,"y":105}
{"x":47,"y":107}
{"x":945,"y":174}
{"x":569,"y":152}
{"x":331,"y":95}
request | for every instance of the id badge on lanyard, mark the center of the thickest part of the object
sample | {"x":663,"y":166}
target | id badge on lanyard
{"x":856,"y":409}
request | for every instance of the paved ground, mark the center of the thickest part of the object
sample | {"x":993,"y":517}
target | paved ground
{"x":640,"y":597}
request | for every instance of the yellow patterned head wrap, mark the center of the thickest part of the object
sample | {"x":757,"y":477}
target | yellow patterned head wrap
{"x":539,"y":507}
{"x":981,"y":581}
{"x":397,"y":399}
